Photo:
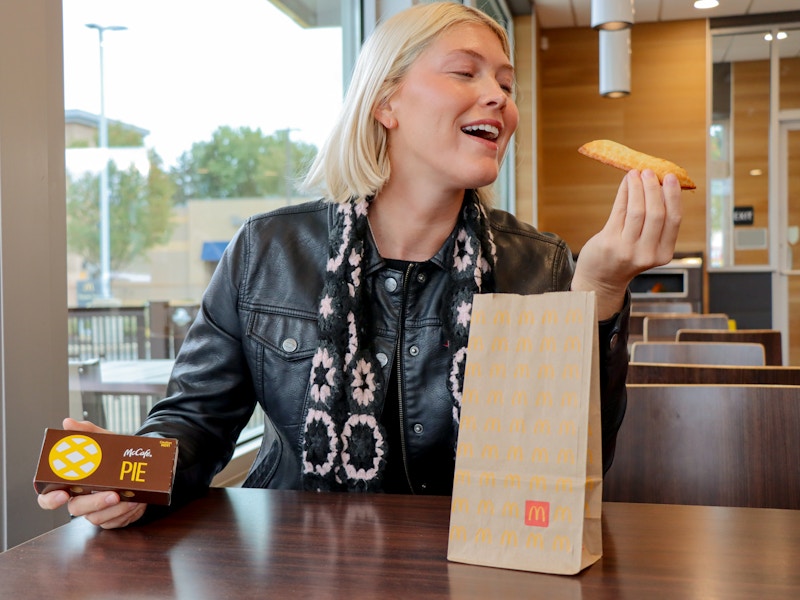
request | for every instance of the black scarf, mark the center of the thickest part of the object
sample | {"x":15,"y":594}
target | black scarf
{"x":344,"y":444}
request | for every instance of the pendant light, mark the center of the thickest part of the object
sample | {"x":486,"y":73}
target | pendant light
{"x":612,"y":15}
{"x":615,"y":63}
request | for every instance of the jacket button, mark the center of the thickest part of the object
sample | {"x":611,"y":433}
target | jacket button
{"x":414,"y":350}
{"x":289,"y":345}
{"x":390,"y":284}
{"x":421,"y":277}
{"x":613,"y":342}
{"x":382,"y":358}
{"x":418,"y":428}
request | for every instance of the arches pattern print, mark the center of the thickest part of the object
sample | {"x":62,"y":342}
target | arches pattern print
{"x":526,"y":477}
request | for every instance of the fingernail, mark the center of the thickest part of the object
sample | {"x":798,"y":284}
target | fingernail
{"x":111,"y":499}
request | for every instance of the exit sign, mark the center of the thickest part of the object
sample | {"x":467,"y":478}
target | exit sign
{"x":743,"y":215}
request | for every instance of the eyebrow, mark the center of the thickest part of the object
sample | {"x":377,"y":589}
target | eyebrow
{"x":479,"y":56}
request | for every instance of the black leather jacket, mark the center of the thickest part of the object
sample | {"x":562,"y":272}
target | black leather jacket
{"x":256,"y":332}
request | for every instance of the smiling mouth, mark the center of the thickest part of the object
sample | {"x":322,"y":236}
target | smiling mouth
{"x":486,"y":132}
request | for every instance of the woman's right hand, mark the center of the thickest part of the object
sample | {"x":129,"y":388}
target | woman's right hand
{"x":104,"y":509}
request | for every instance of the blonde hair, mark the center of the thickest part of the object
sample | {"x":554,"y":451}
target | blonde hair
{"x":354,"y":161}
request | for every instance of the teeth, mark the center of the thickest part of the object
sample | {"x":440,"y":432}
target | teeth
{"x":492,"y":131}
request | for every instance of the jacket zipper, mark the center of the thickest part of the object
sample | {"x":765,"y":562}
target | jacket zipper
{"x":398,"y":361}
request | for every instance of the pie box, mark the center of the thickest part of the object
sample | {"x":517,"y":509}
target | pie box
{"x":139,"y":469}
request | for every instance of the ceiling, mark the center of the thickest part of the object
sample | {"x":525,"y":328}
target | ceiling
{"x":553,"y":14}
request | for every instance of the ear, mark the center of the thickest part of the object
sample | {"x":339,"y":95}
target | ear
{"x":385,"y":115}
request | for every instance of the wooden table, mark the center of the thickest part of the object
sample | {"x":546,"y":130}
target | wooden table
{"x":245,"y":543}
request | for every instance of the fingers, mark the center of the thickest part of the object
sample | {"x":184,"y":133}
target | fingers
{"x":105,"y":509}
{"x":85,"y":426}
{"x":674,"y":212}
{"x":53,"y":500}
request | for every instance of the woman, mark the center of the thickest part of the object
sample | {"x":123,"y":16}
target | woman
{"x":346,"y":319}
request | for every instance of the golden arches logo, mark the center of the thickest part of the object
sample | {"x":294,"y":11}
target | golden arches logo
{"x":498,"y":370}
{"x":486,"y":507}
{"x":75,"y":457}
{"x":561,"y":543}
{"x":514,"y":453}
{"x":537,"y":513}
{"x":574,"y":315}
{"x":473,"y":370}
{"x":459,"y":505}
{"x":571,"y":371}
{"x":540,"y":455}
{"x":524,"y":344}
{"x":465,"y":449}
{"x":511,"y":509}
{"x":566,"y":455}
{"x":522,"y":371}
{"x":544,"y":398}
{"x":542,"y":427}
{"x":483,"y":536}
{"x":458,"y":533}
{"x":492,"y":424}
{"x":500,"y":344}
{"x":502,"y":317}
{"x":512,"y":480}
{"x":549,"y":316}
{"x":538,"y":482}
{"x":526,"y":317}
{"x":487,"y":479}
{"x":463,"y":476}
{"x":495,"y":397}
{"x":563,"y":513}
{"x":509,"y":538}
{"x":546,"y":371}
{"x":469,"y":423}
{"x":478,"y":316}
{"x":569,"y":399}
{"x":517,"y":426}
{"x":567,"y":428}
{"x":564,"y":484}
{"x":572,"y":344}
{"x":490,"y":451}
{"x":548,"y":344}
{"x":475,"y":343}
{"x":519,"y":398}
{"x":470,"y":396}
{"x":535,"y":540}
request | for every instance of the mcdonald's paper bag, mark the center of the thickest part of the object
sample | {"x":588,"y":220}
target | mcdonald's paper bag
{"x":528,"y":482}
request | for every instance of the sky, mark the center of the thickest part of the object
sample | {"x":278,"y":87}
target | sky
{"x":183,"y":68}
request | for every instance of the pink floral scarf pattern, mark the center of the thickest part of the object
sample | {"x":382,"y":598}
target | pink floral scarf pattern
{"x":344,"y":443}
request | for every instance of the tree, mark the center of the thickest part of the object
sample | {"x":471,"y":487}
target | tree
{"x":140,"y":211}
{"x":241,"y":163}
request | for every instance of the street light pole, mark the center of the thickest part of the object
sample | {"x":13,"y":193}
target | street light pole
{"x":287,"y":165}
{"x":105,"y":221}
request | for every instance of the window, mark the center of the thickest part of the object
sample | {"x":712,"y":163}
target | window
{"x":183,"y":118}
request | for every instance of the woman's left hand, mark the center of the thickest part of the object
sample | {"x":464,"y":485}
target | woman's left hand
{"x":640,"y":234}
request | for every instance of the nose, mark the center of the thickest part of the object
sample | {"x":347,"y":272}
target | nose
{"x":494,"y":95}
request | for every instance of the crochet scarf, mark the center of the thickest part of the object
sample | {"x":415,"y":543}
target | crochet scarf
{"x":344,"y":445}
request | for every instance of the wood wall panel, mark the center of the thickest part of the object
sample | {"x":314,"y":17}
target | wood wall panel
{"x":666,"y":115}
{"x":524,"y":56}
{"x":750,"y":122}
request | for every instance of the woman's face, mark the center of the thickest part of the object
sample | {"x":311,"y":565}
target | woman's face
{"x":454,"y":113}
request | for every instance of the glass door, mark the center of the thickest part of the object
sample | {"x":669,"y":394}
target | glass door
{"x":788,"y":288}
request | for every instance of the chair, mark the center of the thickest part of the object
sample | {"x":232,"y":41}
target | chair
{"x":707,"y":444}
{"x":664,"y":328}
{"x":661,"y":307}
{"x":663,"y":373}
{"x":698,"y":353}
{"x":84,"y":404}
{"x":769,"y":338}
